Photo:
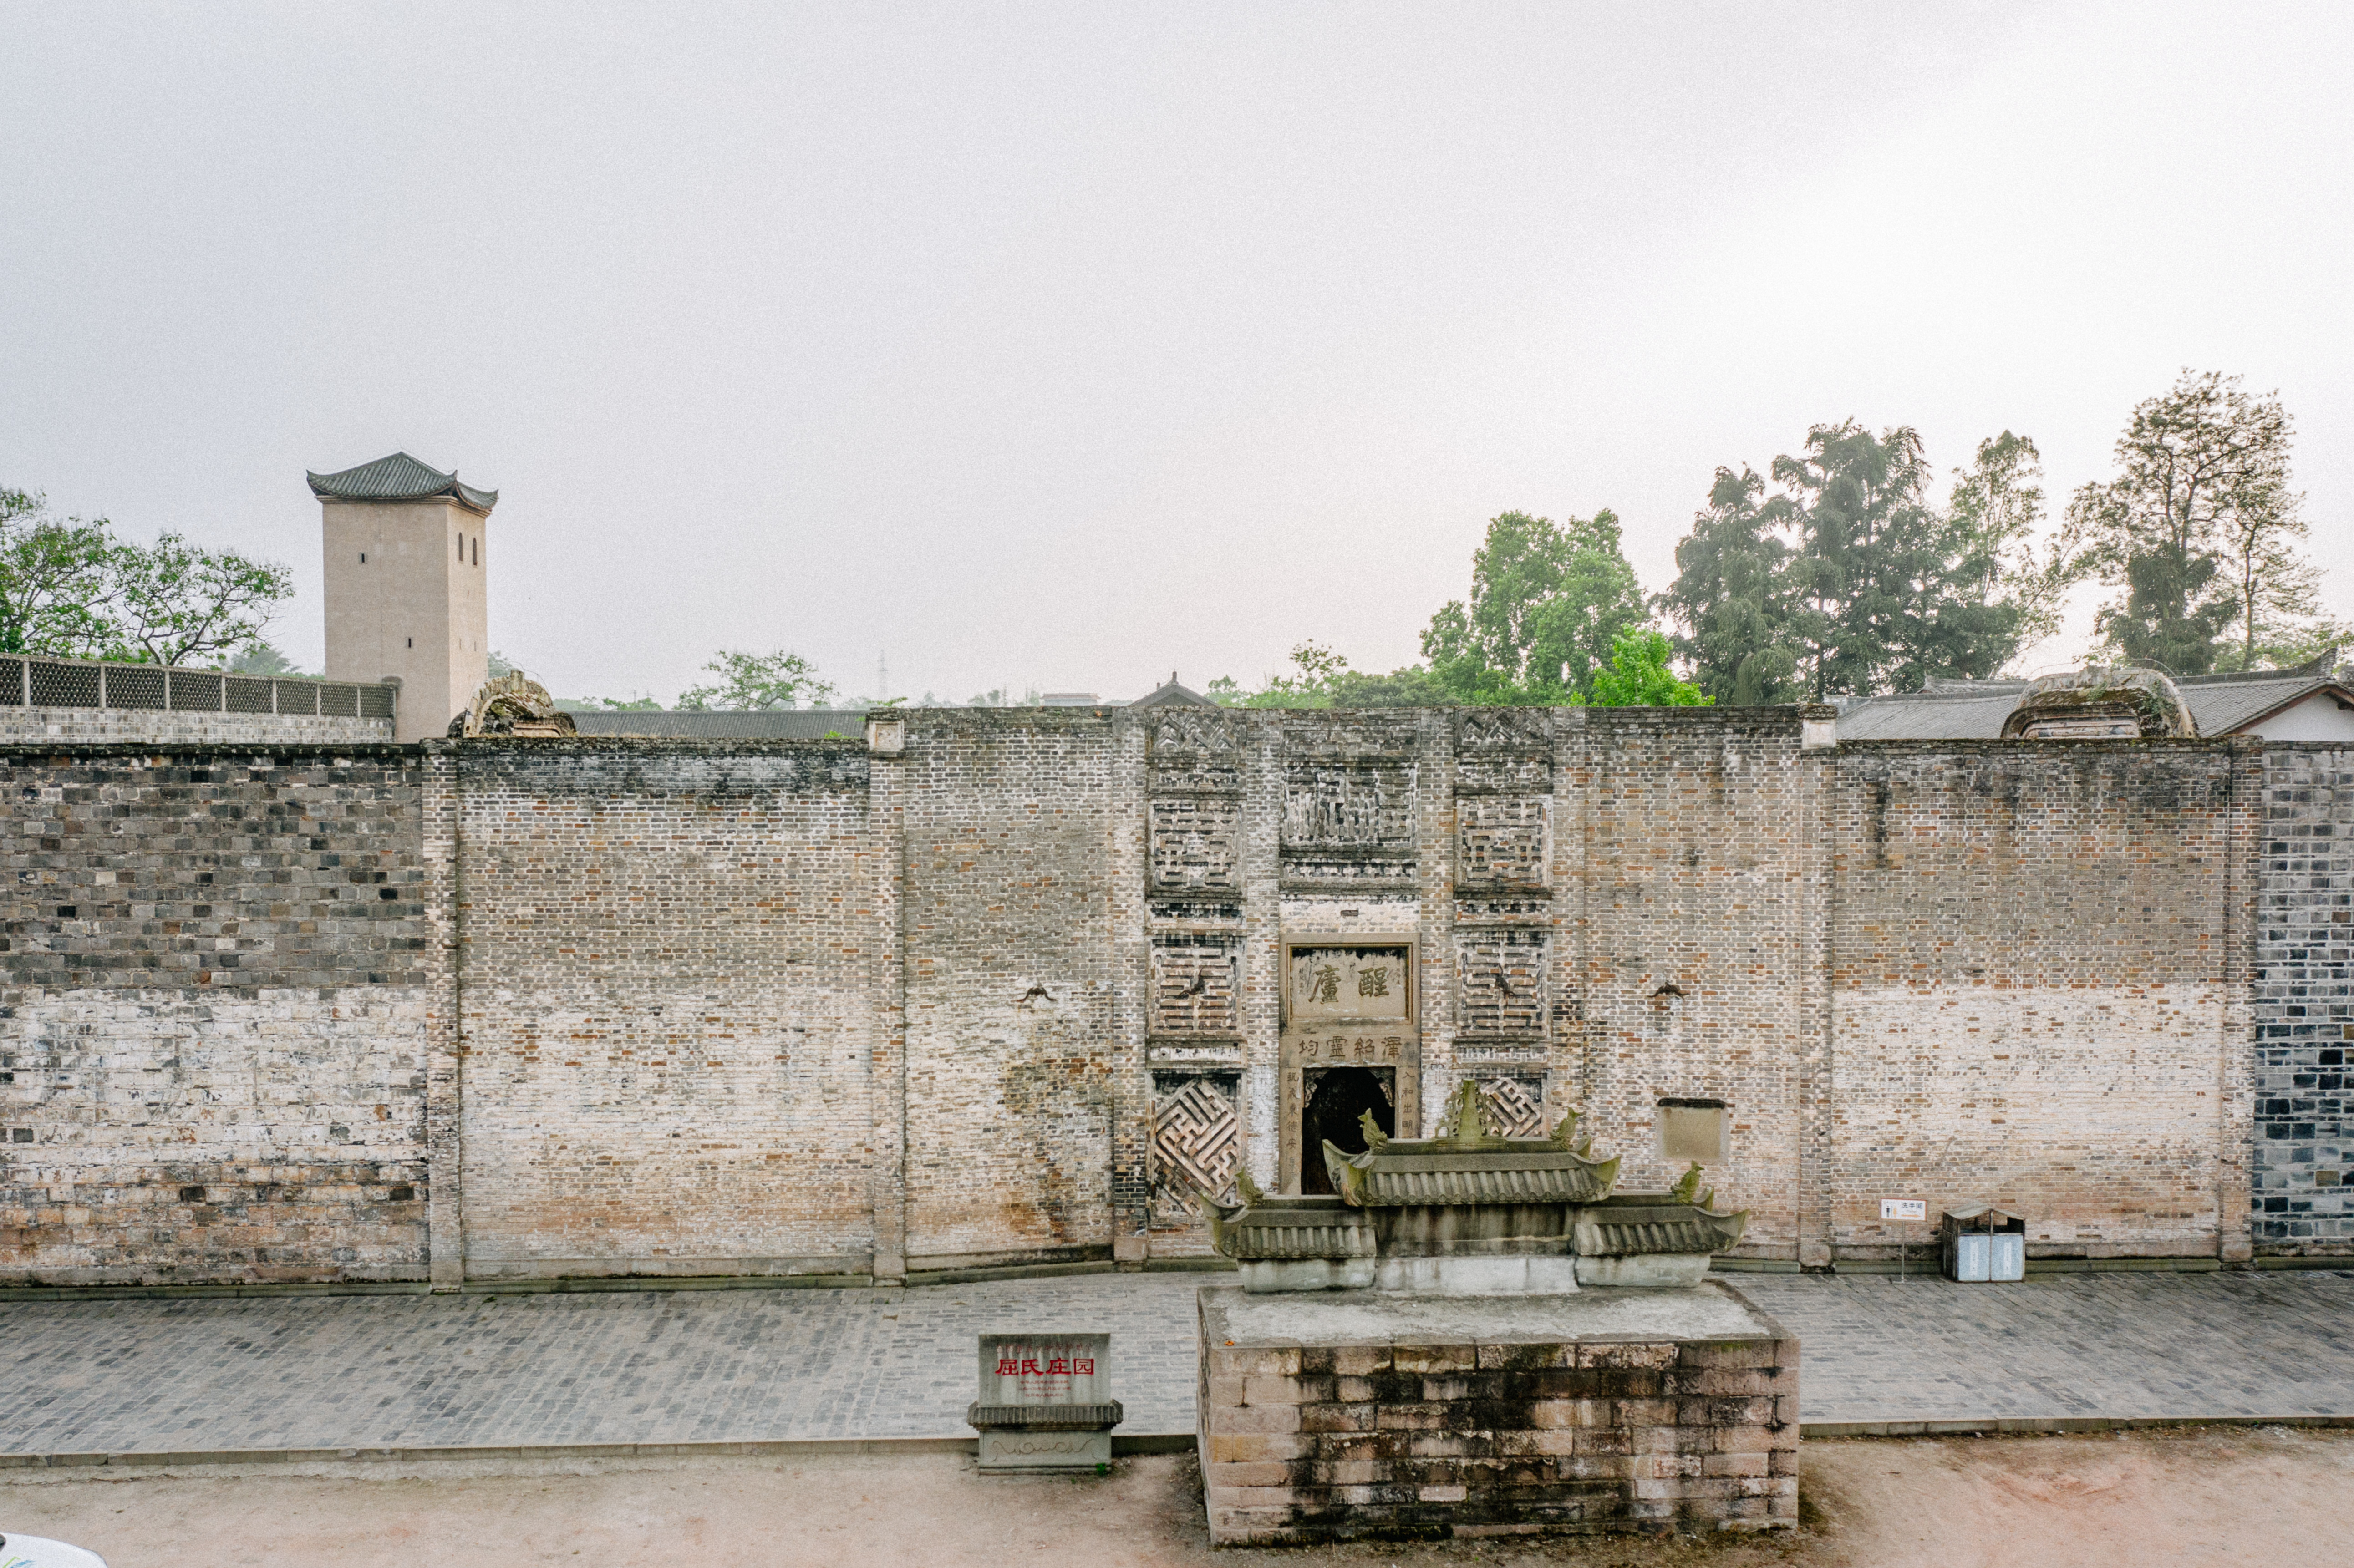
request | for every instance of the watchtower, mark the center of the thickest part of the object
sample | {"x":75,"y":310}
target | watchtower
{"x":404,"y":547}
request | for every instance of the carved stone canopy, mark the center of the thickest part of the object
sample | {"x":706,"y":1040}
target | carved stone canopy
{"x":513,"y":704}
{"x":2100,"y":703}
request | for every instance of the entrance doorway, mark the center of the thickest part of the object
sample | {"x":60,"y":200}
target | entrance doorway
{"x":1338,"y":1099}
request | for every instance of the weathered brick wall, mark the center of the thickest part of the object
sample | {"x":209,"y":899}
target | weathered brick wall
{"x":667,"y":992}
{"x":1012,"y":993}
{"x":1689,"y":962}
{"x":1026,"y":973}
{"x":2303,"y":1002}
{"x":213,"y":1033}
{"x":2033,"y":966}
{"x":30,"y":726}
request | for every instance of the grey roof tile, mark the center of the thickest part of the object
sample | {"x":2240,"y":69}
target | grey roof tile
{"x":773,"y":724}
{"x":400,"y":477}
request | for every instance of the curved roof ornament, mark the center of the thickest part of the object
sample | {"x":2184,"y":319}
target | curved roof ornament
{"x":513,"y":704}
{"x":2102,"y":703}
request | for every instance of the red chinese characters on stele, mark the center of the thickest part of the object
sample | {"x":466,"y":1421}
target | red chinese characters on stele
{"x":1045,"y":1370}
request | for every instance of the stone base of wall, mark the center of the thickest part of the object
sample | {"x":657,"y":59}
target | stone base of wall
{"x":1359,"y":1414}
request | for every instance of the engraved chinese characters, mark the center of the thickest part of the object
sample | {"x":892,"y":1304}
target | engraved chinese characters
{"x":1046,"y":1372}
{"x":1347,"y":983}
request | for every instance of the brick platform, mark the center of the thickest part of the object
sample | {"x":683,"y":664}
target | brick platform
{"x":1351,"y":1415}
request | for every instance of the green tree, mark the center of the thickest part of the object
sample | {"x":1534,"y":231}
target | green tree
{"x":1319,"y":678}
{"x":1548,"y":600}
{"x":1638,"y":677}
{"x":1850,"y":578}
{"x":1733,"y":597}
{"x":70,"y":587}
{"x":748,"y":683}
{"x":2202,"y":531}
{"x":262,"y":658}
{"x":55,"y":591}
{"x":2199,"y":528}
{"x":1894,"y":590}
{"x":1996,"y":509}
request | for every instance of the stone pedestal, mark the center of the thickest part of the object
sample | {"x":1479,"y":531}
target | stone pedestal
{"x":1349,"y":1415}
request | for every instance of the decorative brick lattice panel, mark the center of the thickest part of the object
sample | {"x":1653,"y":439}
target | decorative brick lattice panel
{"x":1193,"y":986}
{"x":1502,"y":982}
{"x":1500,"y":839}
{"x":1362,"y":805}
{"x":1196,"y":1141}
{"x":249,"y":696}
{"x":341,"y":699}
{"x":1194,"y":841}
{"x":1515,"y":1106}
{"x":1503,"y":729}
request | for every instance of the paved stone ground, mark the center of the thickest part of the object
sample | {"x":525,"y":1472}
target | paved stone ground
{"x":2144,"y":1346}
{"x":764,"y":1365}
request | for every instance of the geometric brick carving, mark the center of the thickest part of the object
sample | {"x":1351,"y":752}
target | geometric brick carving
{"x":1501,"y":981}
{"x":1503,"y":729}
{"x":1193,"y":982}
{"x":1355,"y":805}
{"x":1515,"y":1106}
{"x":1500,"y":839}
{"x":1195,"y":843}
{"x":1196,"y":1141}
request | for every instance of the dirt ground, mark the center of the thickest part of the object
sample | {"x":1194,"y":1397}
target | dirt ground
{"x":2262,"y":1496}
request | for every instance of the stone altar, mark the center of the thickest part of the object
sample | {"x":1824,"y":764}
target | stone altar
{"x":1474,"y":1335}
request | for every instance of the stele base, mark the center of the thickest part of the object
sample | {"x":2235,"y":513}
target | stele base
{"x":1011,"y":1450}
{"x":1351,"y":1415}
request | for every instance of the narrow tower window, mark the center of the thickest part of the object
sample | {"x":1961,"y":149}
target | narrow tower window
{"x":461,"y":546}
{"x":478,"y":549}
{"x":364,"y":557}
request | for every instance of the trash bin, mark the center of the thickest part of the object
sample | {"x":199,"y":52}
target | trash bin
{"x":1984,"y":1244}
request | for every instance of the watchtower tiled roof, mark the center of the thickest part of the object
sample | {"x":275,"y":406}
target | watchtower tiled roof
{"x":399,"y":478}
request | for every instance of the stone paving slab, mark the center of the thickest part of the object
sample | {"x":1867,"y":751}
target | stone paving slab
{"x":729,"y":1366}
{"x":2140,"y":1347}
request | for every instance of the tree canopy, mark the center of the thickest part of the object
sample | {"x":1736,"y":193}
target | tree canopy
{"x":748,"y":682}
{"x":1850,"y":577}
{"x":2197,"y":534}
{"x":1548,"y":603}
{"x":72,"y":588}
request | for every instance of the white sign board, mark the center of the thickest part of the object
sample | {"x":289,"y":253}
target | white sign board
{"x":1904,"y":1208}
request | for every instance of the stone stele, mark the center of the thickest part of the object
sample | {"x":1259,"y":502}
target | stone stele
{"x":1044,"y":1402}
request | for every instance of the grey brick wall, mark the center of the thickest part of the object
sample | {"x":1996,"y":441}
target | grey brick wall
{"x":667,"y":989}
{"x":2304,"y":1003}
{"x":2038,"y":970}
{"x":29,"y":726}
{"x":213,"y":1030}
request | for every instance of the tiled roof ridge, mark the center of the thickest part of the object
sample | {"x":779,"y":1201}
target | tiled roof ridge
{"x":399,"y":476}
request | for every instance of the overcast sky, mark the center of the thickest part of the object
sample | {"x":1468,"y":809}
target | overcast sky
{"x":1065,"y":346}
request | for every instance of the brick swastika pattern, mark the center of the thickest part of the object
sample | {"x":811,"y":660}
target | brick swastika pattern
{"x":1196,"y":1143}
{"x":1515,"y":1106}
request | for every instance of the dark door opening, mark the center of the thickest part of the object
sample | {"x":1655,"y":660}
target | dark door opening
{"x":1336,"y":1102}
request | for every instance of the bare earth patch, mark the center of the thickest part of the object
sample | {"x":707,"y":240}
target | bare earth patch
{"x":2258,"y":1496}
